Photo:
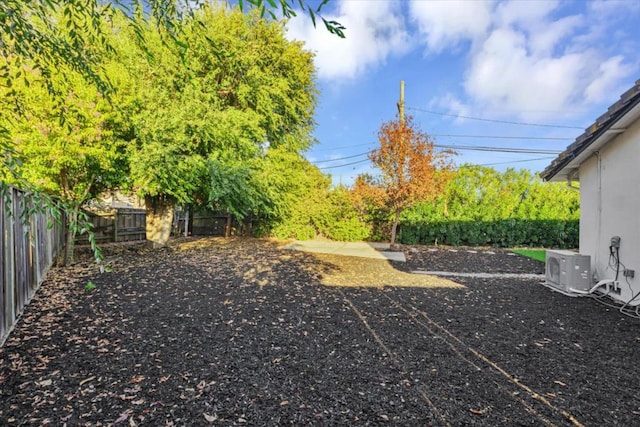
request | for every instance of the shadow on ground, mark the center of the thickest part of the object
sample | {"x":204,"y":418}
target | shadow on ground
{"x":242,"y":332}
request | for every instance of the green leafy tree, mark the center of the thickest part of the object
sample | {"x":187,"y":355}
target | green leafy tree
{"x":67,"y":150}
{"x":27,"y":32}
{"x":194,"y":125}
{"x":34,"y":45}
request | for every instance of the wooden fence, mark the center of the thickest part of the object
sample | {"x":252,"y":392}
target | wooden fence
{"x":29,"y":247}
{"x":203,"y":223}
{"x":118,"y":225}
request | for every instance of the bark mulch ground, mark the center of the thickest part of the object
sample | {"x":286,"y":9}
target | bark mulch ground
{"x":242,"y":332}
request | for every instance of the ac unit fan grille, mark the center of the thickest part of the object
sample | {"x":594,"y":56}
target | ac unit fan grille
{"x":553,"y":270}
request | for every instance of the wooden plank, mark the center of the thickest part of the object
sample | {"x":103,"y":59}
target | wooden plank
{"x":27,"y":250}
{"x":3,"y":282}
{"x":9,"y":268}
{"x":21,"y":254}
{"x":32,"y":258}
{"x":121,"y":225}
{"x":115,"y":226}
{"x":42,"y":252}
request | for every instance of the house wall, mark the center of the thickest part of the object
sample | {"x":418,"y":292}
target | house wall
{"x":610,"y":206}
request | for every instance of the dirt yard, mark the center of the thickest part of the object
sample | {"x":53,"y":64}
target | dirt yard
{"x":242,"y":332}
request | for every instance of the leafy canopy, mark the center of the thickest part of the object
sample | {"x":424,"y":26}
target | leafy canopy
{"x":410,"y":169}
{"x":194,"y":127}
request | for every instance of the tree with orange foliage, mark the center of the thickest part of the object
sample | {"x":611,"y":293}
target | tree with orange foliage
{"x":411,"y":171}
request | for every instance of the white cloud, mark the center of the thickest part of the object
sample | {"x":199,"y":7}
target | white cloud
{"x":531,"y":59}
{"x":504,"y":75}
{"x":545,"y":37}
{"x":607,"y":9}
{"x":523,"y":13}
{"x":453,"y":105}
{"x":607,"y":79}
{"x":533,"y":64}
{"x":375,"y":30}
{"x":447,"y":23}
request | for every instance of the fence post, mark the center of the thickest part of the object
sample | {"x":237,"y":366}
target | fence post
{"x":9,"y":265}
{"x":186,"y":222}
{"x":115,"y":226}
{"x":3,"y":283}
{"x":33,"y":237}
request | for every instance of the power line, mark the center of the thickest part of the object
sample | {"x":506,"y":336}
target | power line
{"x":498,"y":149}
{"x":343,"y":147}
{"x":453,"y":147}
{"x":457,"y":136}
{"x":492,"y":120}
{"x":454,"y":136}
{"x":504,"y":137}
{"x":341,"y":158}
{"x":484,"y":164}
{"x":346,"y":164}
{"x":518,"y":161}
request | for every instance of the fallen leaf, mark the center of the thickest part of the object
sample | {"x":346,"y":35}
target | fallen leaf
{"x":45,"y":383}
{"x":136,"y":379}
{"x":123,"y":416}
{"x":479,"y":411}
{"x":284,"y":402}
{"x":384,"y":417}
{"x":83,"y":382}
{"x":210,"y":418}
{"x":560,"y":383}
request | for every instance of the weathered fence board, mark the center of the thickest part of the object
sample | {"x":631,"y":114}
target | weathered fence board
{"x":118,"y":225}
{"x":203,"y":223}
{"x":27,"y":250}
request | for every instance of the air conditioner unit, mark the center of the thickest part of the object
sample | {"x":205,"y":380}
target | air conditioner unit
{"x":568,"y":271}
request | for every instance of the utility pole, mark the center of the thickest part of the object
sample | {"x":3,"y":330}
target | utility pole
{"x":401,"y":103}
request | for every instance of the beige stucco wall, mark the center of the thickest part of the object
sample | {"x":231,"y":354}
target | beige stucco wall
{"x":612,"y":183}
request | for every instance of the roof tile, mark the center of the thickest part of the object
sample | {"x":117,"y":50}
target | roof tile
{"x":627,"y":101}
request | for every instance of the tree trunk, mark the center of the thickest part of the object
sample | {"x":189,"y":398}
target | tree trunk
{"x":394,"y":227}
{"x":227,"y":229}
{"x":71,"y":226}
{"x":159,"y":219}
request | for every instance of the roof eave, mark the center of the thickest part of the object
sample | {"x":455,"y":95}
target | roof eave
{"x":569,"y":172}
{"x":565,"y":166}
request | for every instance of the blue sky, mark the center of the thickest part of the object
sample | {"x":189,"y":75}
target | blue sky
{"x":551,"y":63}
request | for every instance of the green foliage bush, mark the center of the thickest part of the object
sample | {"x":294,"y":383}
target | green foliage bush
{"x":301,"y":203}
{"x":482,"y":206}
{"x":501,"y":233}
{"x":329,"y":215}
{"x":294,"y":230}
{"x":338,"y":220}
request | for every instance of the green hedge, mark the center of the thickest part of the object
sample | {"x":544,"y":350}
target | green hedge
{"x":484,"y":207}
{"x":500,"y":233}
